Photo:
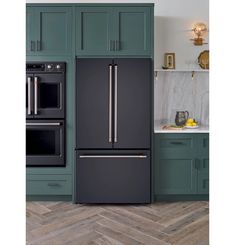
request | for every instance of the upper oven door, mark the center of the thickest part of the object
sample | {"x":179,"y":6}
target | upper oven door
{"x":48,"y":95}
{"x":45,"y":143}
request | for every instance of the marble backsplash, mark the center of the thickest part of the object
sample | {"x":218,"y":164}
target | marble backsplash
{"x":176,"y":91}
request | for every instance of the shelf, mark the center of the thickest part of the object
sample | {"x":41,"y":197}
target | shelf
{"x":171,"y":70}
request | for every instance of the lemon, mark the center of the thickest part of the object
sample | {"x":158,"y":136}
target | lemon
{"x":190,"y":120}
{"x":189,"y":124}
{"x":194,"y":124}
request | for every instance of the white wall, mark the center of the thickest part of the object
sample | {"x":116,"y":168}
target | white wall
{"x":173,"y":21}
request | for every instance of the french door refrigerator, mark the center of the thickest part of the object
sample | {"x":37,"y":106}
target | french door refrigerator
{"x":113,"y":131}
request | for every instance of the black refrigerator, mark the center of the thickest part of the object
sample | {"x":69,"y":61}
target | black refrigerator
{"x":113,"y":130}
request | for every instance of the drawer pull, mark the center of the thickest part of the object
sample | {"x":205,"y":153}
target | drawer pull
{"x":53,"y":184}
{"x":177,"y":143}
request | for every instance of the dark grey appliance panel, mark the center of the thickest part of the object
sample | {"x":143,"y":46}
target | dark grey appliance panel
{"x":29,"y":96}
{"x":45,"y":143}
{"x":49,"y":95}
{"x":113,"y":176}
{"x":132,"y":100}
{"x":92,"y":103}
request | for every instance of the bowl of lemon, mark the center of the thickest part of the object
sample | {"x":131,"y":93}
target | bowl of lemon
{"x":191,"y":123}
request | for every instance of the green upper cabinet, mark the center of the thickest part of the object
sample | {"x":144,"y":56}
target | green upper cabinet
{"x":49,"y":30}
{"x":93,"y":30}
{"x":113,"y":30}
{"x":132,"y":27}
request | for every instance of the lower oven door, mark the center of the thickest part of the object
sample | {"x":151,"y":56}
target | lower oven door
{"x":45,"y":143}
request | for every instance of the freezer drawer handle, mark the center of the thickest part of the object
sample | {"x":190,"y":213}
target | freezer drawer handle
{"x":110,"y":103}
{"x":112,"y":156}
{"x":44,"y":124}
{"x":35,"y":95}
{"x":29,"y":95}
{"x":115,"y":102}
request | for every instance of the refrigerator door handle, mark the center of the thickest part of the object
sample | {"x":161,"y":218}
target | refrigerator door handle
{"x":115,"y":102}
{"x":29,"y":95}
{"x":110,"y":103}
{"x":35,"y":95}
{"x":113,"y":156}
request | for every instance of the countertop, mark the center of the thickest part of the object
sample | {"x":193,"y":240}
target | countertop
{"x":201,"y":129}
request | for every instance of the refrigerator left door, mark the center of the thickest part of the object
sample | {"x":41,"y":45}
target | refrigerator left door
{"x":93,"y":108}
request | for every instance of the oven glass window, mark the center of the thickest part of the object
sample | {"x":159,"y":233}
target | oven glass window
{"x":49,"y":95}
{"x":42,"y":142}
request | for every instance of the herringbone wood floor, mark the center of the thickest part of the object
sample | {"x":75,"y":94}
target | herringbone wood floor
{"x":178,"y":223}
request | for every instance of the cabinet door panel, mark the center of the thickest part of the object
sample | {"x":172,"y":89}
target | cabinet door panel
{"x":93,"y":30}
{"x":133,"y":103}
{"x":30,"y":31}
{"x":176,"y":176}
{"x":92,"y":103}
{"x":133,"y":30}
{"x":55,"y":30}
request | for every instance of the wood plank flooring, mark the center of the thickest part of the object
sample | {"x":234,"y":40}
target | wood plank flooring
{"x":173,"y":223}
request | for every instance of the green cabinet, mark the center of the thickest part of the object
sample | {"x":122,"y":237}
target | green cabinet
{"x":49,"y":185}
{"x":181,"y":164}
{"x":49,"y":30}
{"x":202,"y":159}
{"x":107,"y":30}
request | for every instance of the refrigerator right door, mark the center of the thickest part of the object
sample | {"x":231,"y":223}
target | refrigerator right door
{"x":132,"y":103}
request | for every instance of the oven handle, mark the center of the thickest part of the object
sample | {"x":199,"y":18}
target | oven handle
{"x":29,"y":95}
{"x":35,"y":95}
{"x":44,"y":124}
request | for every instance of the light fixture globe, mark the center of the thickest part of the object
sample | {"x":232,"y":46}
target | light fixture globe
{"x":199,"y":29}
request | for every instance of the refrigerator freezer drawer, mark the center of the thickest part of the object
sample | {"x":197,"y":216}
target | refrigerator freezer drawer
{"x":115,"y":177}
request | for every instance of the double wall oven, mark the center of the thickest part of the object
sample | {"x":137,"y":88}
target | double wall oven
{"x":45,"y":114}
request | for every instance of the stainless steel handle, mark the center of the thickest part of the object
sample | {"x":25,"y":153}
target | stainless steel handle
{"x":112,"y":45}
{"x":38,"y":45}
{"x":31,"y":45}
{"x":115,"y":102}
{"x":110,"y":103}
{"x":43,"y":124}
{"x":35,"y":95}
{"x":113,"y":156}
{"x":29,"y":95}
{"x":116,"y":45}
{"x":177,"y":143}
{"x":53,"y":184}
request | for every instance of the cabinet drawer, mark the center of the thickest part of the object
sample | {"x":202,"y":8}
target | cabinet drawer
{"x":49,"y":185}
{"x":174,"y":145}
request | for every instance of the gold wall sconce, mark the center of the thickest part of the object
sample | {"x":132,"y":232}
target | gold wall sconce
{"x":199,"y":30}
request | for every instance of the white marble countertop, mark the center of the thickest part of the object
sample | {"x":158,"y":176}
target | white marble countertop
{"x":201,"y":129}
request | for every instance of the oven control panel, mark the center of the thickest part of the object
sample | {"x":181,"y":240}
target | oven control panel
{"x":45,"y":67}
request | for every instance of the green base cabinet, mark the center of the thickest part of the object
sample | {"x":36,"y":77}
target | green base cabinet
{"x":49,"y":30}
{"x":181,"y":164}
{"x":107,"y":30}
{"x":48,"y":185}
